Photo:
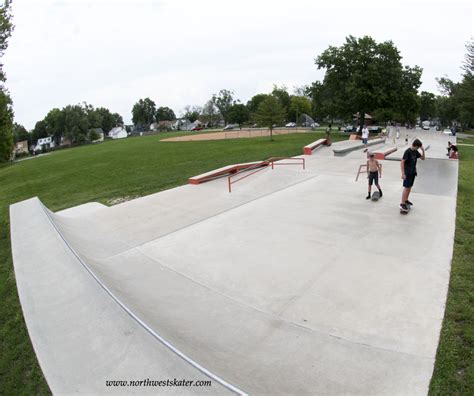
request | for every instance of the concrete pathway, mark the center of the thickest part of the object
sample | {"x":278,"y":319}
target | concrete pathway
{"x":291,"y":284}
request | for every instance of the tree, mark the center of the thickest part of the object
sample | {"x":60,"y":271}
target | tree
{"x":76,"y":124}
{"x":363,"y":76}
{"x":54,"y":123}
{"x":281,"y":93}
{"x":238,"y":113}
{"x":223,"y":101}
{"x":20,"y":133}
{"x":164,"y":114}
{"x":191,"y":113}
{"x":298,"y":106}
{"x":255,"y":101}
{"x":457,"y":104}
{"x":143,"y":112}
{"x":427,"y":105}
{"x":209,"y":112}
{"x":270,"y":112}
{"x":6,"y":110}
{"x":6,"y":126}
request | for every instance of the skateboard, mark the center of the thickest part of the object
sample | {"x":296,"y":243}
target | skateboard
{"x":375,"y":196}
{"x":403,"y":212}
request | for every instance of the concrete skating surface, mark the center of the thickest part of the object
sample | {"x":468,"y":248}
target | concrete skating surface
{"x":291,"y":284}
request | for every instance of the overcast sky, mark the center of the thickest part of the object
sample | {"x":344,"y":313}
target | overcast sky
{"x":179,"y":52}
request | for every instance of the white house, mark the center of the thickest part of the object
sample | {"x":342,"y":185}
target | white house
{"x":182,"y":124}
{"x":118,"y":133}
{"x":46,"y":142}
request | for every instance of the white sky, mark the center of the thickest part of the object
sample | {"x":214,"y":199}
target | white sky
{"x":112,"y":53}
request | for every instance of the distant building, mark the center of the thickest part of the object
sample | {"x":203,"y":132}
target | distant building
{"x":44,"y":143}
{"x":182,"y":124}
{"x":118,"y":133}
{"x":21,"y":147}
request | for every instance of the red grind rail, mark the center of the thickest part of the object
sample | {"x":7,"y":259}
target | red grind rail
{"x":262,"y":165}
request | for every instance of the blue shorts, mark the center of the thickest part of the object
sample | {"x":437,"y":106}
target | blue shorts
{"x":409,"y":180}
{"x":364,"y":140}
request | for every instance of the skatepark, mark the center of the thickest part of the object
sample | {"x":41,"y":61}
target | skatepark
{"x":293,"y":283}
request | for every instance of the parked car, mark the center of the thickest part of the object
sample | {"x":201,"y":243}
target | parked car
{"x":196,"y":128}
{"x":229,"y":127}
{"x":447,"y":131}
{"x":254,"y":126}
{"x":290,"y":125}
{"x":315,"y":125}
{"x":375,"y":129}
{"x":350,"y":128}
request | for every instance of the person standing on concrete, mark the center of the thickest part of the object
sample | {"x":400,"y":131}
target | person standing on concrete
{"x":398,"y":133}
{"x":408,"y":168}
{"x":373,"y":171}
{"x":328,"y":134}
{"x":365,"y":134}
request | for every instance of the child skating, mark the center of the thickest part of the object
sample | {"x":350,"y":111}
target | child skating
{"x":374,"y":169}
{"x":408,"y":168}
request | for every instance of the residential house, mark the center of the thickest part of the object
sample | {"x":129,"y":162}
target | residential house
{"x":44,"y":143}
{"x":118,"y":133}
{"x":21,"y":147}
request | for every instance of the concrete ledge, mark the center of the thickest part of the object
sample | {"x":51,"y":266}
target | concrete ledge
{"x":229,"y":169}
{"x":355,"y":145}
{"x":308,"y":149}
{"x":380,"y":155}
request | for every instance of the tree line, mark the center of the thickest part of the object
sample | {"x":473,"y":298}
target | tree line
{"x":361,"y":77}
{"x":76,"y":123}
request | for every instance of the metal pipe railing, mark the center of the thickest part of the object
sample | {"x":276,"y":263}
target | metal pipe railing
{"x":262,"y":165}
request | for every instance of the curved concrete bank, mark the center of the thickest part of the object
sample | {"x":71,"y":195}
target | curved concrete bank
{"x":292,"y":284}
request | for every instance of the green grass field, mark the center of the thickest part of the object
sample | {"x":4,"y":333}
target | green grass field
{"x":454,"y":368}
{"x":140,"y":166}
{"x":114,"y":169}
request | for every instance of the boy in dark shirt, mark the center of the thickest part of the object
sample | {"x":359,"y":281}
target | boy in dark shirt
{"x":408,"y":167}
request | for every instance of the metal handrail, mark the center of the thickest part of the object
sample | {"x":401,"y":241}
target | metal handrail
{"x":365,"y":166}
{"x":260,"y":166}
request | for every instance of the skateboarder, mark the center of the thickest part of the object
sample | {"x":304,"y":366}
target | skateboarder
{"x":408,"y":168}
{"x":373,"y":172}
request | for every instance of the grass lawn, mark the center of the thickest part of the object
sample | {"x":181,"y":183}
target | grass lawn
{"x":140,"y":166}
{"x":454,"y":368}
{"x":114,"y":169}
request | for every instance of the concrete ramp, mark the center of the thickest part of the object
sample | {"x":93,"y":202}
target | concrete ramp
{"x":293,"y":284}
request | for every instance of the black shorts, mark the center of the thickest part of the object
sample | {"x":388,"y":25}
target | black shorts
{"x":373,"y":178}
{"x":409,"y":180}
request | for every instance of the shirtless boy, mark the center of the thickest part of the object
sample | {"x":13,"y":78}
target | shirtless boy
{"x":373,"y":172}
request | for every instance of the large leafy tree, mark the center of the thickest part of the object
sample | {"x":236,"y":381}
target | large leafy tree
{"x":364,"y":76}
{"x":298,"y":105}
{"x":165,"y":114}
{"x":192,"y":113}
{"x":269,"y":113}
{"x":6,"y":127}
{"x":457,"y":102}
{"x":54,"y":123}
{"x":20,"y":133}
{"x":223,"y":101}
{"x":281,"y":93}
{"x":239,"y":114}
{"x":76,"y":123}
{"x":427,"y":105}
{"x":6,"y":110}
{"x":255,"y":101}
{"x":143,"y":112}
{"x":210,"y":112}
